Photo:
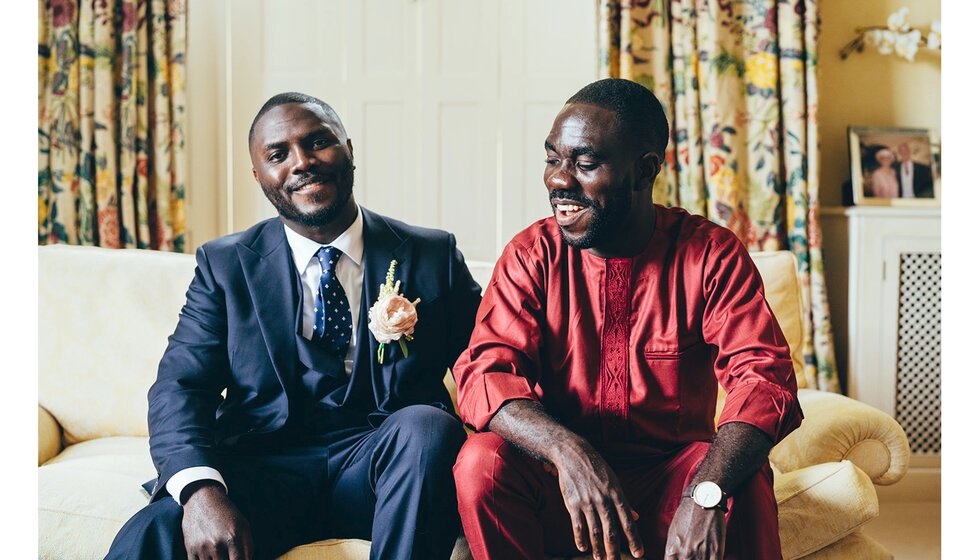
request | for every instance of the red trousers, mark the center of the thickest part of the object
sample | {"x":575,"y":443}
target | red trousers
{"x":512,"y":508}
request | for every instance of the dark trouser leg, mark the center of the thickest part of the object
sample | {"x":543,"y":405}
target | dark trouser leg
{"x":152,"y":533}
{"x":277,"y":494}
{"x":394,"y":486}
{"x":281,"y":495}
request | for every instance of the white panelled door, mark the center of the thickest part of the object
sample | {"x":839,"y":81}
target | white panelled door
{"x":447,"y":102}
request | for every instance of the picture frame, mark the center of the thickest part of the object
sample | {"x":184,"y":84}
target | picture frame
{"x":894,"y":166}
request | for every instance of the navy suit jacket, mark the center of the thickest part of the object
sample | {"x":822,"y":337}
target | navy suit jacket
{"x":921,"y":179}
{"x":237,"y":333}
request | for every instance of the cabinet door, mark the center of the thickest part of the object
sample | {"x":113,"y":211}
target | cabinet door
{"x":912,"y":350}
{"x":894,"y":321}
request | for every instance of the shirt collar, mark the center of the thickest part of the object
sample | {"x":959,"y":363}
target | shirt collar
{"x":351,"y":243}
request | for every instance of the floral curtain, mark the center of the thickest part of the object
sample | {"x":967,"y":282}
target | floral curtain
{"x":111,"y":123}
{"x":738,"y":82}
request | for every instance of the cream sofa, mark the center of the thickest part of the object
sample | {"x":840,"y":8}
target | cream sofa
{"x":104,"y":319}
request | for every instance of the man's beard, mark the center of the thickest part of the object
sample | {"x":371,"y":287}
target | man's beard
{"x":604,"y":222}
{"x":319,"y":218}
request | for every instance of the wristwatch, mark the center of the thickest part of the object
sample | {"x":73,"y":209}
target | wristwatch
{"x":708,"y":495}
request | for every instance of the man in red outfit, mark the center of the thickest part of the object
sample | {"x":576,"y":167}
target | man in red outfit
{"x":593,"y":371}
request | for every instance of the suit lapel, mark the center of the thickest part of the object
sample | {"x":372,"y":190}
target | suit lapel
{"x":267,"y":265}
{"x":381,"y":245}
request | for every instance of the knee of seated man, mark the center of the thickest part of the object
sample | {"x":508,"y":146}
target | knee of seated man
{"x":483,"y":457}
{"x":444,"y":431}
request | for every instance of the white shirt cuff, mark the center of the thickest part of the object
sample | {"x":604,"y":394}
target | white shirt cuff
{"x":182,"y":478}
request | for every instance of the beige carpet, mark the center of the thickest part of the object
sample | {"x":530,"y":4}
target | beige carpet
{"x":910,"y":530}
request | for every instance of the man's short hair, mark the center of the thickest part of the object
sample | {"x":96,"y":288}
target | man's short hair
{"x":639,"y":113}
{"x":290,"y":97}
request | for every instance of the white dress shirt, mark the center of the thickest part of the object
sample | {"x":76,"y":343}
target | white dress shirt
{"x":349,"y":273}
{"x":905,"y":179}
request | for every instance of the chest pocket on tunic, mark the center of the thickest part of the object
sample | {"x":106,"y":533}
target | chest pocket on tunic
{"x":683,"y":386}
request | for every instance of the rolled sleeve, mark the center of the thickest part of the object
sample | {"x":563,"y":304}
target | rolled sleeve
{"x":485,"y":394}
{"x":769,"y":407}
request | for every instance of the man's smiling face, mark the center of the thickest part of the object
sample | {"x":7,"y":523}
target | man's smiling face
{"x":303,"y":160}
{"x":589,"y":174}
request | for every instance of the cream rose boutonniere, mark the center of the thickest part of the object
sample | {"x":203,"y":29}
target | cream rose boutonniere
{"x":392,"y":317}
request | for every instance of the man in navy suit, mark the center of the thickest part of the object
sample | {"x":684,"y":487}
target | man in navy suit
{"x":914,"y":179}
{"x":322,"y":431}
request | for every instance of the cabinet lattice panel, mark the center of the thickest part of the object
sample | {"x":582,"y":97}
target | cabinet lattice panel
{"x":917,"y":392}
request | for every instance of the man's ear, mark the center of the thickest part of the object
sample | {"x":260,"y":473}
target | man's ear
{"x":350,"y":146}
{"x":255,"y":175}
{"x":649,"y":167}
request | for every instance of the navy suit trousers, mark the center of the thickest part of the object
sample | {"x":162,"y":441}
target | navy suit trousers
{"x":392,"y":485}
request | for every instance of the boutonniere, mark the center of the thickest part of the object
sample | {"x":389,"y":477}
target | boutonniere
{"x":392,"y":317}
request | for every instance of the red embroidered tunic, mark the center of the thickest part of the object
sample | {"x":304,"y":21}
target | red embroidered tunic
{"x":629,"y":352}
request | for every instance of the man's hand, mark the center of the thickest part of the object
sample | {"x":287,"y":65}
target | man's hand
{"x":596,"y":504}
{"x":213,"y":527}
{"x":696,"y":533}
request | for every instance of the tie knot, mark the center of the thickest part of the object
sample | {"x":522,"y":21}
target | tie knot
{"x":328,"y":257}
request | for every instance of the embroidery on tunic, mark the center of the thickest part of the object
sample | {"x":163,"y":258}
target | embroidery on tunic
{"x":614,"y":401}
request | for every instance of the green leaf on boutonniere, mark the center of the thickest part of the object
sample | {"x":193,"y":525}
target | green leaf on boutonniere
{"x":404,"y":347}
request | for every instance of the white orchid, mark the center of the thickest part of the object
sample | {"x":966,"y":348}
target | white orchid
{"x":908,"y":44}
{"x":886,"y":41}
{"x":899,"y":21}
{"x":898,"y":37}
{"x":935,"y":39}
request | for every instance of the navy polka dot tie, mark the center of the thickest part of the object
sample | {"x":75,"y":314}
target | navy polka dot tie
{"x":332,"y":320}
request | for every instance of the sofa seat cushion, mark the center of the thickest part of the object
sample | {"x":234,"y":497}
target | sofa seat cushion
{"x":822,"y":504}
{"x":332,"y":549}
{"x":87,"y":492}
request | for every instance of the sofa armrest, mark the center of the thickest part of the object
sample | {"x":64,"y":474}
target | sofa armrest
{"x":48,"y":436}
{"x":837,"y":428}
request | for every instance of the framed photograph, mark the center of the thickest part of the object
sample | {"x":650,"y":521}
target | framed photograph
{"x":894,"y":166}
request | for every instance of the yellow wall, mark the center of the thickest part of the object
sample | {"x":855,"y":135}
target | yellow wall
{"x":869,"y":88}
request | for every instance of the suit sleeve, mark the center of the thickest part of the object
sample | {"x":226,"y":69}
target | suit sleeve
{"x":504,"y":355}
{"x":753,"y":363}
{"x":192,"y":373}
{"x":464,"y":298}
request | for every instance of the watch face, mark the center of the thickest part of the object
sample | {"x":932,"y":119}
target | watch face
{"x":707,"y":494}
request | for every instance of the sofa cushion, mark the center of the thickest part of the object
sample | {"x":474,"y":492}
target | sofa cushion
{"x":86,"y":493}
{"x":822,"y":504}
{"x":103,"y":332}
{"x":333,"y":549}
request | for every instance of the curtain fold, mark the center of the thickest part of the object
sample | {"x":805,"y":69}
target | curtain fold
{"x":737,"y":79}
{"x":111,"y":111}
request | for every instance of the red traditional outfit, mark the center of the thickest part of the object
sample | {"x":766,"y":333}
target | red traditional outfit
{"x":628,"y":353}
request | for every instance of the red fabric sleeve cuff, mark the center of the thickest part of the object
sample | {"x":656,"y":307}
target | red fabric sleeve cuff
{"x":485,"y":394}
{"x":770,"y":407}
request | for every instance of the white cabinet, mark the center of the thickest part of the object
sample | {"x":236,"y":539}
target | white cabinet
{"x":883,"y":268}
